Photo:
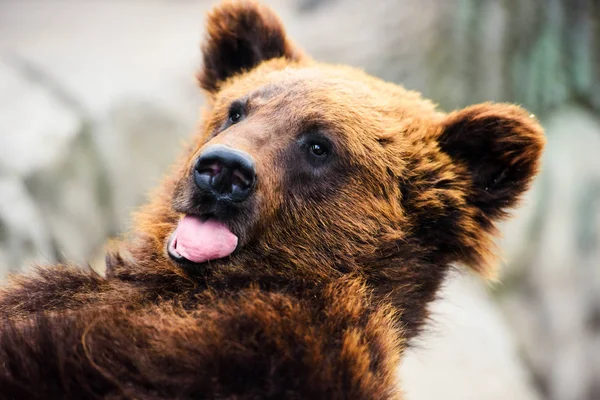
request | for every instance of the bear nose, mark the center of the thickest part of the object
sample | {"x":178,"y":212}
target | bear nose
{"x":226,"y":173}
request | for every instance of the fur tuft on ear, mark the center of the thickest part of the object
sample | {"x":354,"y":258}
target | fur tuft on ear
{"x":500,"y":145}
{"x":241,"y":35}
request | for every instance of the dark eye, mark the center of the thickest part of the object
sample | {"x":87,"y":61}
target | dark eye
{"x":235,"y":117}
{"x":236,"y":113}
{"x":318,"y":150}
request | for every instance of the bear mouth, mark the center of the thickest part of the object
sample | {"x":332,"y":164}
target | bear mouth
{"x":198,"y":240}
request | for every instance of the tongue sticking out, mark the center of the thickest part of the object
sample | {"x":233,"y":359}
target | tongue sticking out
{"x":200,"y":241}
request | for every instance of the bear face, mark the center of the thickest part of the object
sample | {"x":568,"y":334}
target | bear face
{"x":326,"y":175}
{"x":303,"y":172}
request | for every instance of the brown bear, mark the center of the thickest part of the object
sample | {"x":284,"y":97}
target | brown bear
{"x":294,"y":248}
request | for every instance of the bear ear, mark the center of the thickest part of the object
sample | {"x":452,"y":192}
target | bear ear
{"x":500,"y":146}
{"x":241,"y":35}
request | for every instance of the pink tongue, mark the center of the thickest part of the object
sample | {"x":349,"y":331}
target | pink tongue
{"x":201,"y":241}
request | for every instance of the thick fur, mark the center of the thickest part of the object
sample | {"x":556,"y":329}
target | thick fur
{"x":337,"y":260}
{"x":252,"y":344}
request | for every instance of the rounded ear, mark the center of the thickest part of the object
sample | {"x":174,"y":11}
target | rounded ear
{"x":241,"y":35}
{"x":500,"y":146}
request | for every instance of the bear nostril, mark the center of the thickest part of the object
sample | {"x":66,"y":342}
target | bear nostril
{"x":211,"y":170}
{"x":225,"y":173}
{"x":241,"y":181}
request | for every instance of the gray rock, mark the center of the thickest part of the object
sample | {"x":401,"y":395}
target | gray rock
{"x":35,"y":128}
{"x":37,"y":132}
{"x":137,"y":142}
{"x":24,"y":238}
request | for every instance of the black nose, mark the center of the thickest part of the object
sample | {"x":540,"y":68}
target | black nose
{"x":226,"y":173}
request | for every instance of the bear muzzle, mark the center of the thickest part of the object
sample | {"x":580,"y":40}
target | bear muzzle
{"x":222,"y":182}
{"x":226,"y":174}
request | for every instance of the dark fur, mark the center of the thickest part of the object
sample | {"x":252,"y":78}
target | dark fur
{"x":336,"y":262}
{"x":240,"y":37}
{"x":252,"y":344}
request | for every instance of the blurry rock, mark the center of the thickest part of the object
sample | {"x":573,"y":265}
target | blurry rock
{"x":35,"y":127}
{"x":52,"y":189}
{"x":74,"y":196}
{"x":24,"y":238}
{"x":138,"y":141}
{"x":468,"y":352}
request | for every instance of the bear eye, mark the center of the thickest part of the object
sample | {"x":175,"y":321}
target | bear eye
{"x":318,"y":150}
{"x":236,"y":113}
{"x":235,"y":116}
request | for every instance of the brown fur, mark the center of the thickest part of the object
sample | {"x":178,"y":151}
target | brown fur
{"x":336,"y":262}
{"x":254,"y":344}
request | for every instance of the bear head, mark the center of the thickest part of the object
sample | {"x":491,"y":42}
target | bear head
{"x":302,"y":172}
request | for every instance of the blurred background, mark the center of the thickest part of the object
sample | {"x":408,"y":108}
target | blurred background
{"x":96,"y":98}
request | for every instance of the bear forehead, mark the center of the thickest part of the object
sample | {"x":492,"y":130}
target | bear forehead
{"x":325,"y":87}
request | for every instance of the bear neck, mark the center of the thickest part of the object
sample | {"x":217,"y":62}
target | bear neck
{"x":390,"y":273}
